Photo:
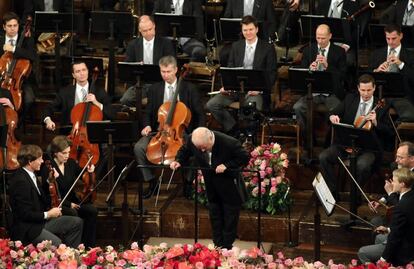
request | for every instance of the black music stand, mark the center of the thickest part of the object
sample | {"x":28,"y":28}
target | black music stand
{"x":139,"y":74}
{"x":310,"y":82}
{"x":58,"y":23}
{"x":111,"y":133}
{"x":107,"y":22}
{"x":175,"y":26}
{"x":340,"y":28}
{"x":377,"y":36}
{"x":355,"y":138}
{"x":389,"y":84}
{"x":90,"y":62}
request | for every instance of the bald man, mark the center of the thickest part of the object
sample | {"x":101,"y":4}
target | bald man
{"x":221,"y":153}
{"x":323,"y":56}
{"x":146,"y":49}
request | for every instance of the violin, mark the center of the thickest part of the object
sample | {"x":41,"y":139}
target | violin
{"x":53,"y":187}
{"x":88,"y":190}
{"x":9,"y":117}
{"x":14,"y":71}
{"x":362,"y":122}
{"x":173,"y":118}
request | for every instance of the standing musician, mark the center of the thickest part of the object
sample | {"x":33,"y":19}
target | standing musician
{"x":27,"y":51}
{"x":32,"y":221}
{"x":396,"y":58}
{"x":404,"y":158}
{"x":147,"y":49}
{"x":400,"y":13}
{"x":158,"y":94}
{"x":250,"y":53}
{"x":354,"y":106}
{"x":220,"y":152}
{"x":71,"y":95}
{"x":65,"y":171}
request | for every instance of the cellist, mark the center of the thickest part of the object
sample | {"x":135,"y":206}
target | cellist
{"x":66,"y":171}
{"x":76,"y":93}
{"x":8,"y":43}
{"x":158,"y":94}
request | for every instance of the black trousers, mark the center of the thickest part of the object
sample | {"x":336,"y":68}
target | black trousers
{"x":224,"y":219}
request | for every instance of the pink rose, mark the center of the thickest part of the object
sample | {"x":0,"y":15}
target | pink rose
{"x":18,"y":244}
{"x":109,"y":257}
{"x":262,"y":174}
{"x":255,"y":191}
{"x":280,"y":255}
{"x":298,"y":261}
{"x":120,"y":263}
{"x":269,"y":170}
{"x":134,"y":245}
{"x":288,"y":262}
{"x":283,"y":156}
{"x":271,"y":265}
{"x":13,"y":254}
{"x":285,"y":163}
{"x":273,"y":190}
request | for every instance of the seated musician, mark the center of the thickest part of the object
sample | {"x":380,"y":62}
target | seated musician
{"x":9,"y":42}
{"x":147,"y":49}
{"x":322,"y":56}
{"x":194,"y":47}
{"x":250,"y":53}
{"x":404,"y":158}
{"x":158,"y":94}
{"x":72,"y":95}
{"x":396,"y":58}
{"x":398,"y":248}
{"x":33,"y":221}
{"x":65,"y":171}
{"x":354,"y":106}
{"x":400,"y":13}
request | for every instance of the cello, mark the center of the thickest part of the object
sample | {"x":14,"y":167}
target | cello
{"x":14,"y":71}
{"x":82,"y":150}
{"x":173,"y":118}
{"x":9,"y":117}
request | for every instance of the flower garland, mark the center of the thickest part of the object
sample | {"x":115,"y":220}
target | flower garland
{"x":46,"y":256}
{"x":271,"y":163}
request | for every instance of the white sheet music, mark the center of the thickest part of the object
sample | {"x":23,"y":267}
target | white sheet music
{"x":323,"y":193}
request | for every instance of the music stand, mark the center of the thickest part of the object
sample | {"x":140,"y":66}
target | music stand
{"x":175,"y":26}
{"x":106,"y":132}
{"x":355,"y":138}
{"x":340,"y":28}
{"x":90,"y":62}
{"x":389,"y":84}
{"x":230,"y":29}
{"x":139,"y":74}
{"x":309,"y":82}
{"x":108,"y":23}
{"x":58,"y":23}
{"x":377,"y":36}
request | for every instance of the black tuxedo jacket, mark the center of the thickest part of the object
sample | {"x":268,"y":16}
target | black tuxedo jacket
{"x":221,"y":188}
{"x":264,"y":59}
{"x":336,"y":65}
{"x":65,"y":100}
{"x":162,"y":47}
{"x":188,"y":94}
{"x":400,"y":242}
{"x":30,"y":6}
{"x":380,"y":55}
{"x":28,"y":207}
{"x":395,"y":13}
{"x":26,"y":51}
{"x":263,"y":10}
{"x":190,"y":8}
{"x":348,"y":109}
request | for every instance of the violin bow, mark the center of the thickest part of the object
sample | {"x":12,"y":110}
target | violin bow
{"x":394,"y":127}
{"x":97,"y":185}
{"x":349,"y":212}
{"x":359,"y":187}
{"x":169,"y":181}
{"x":76,"y":180}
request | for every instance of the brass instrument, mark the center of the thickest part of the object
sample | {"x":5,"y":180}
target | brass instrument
{"x":46,"y":41}
{"x":367,"y":6}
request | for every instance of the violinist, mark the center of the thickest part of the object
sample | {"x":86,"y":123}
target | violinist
{"x":71,"y":95}
{"x":158,"y":94}
{"x":404,"y":158}
{"x":354,"y":106}
{"x":27,"y":51}
{"x":65,"y":171}
{"x":398,"y":249}
{"x":33,"y":221}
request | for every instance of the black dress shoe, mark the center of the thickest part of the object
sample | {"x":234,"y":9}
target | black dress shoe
{"x":150,"y":190}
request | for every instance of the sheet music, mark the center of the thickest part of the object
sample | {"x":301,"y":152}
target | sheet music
{"x":324,"y":193}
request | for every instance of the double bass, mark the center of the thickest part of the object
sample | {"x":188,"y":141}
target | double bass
{"x":14,"y":71}
{"x":8,"y":158}
{"x":81,"y":149}
{"x":173,"y":118}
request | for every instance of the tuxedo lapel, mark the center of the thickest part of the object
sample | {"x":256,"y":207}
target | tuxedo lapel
{"x":156,"y":52}
{"x":140,"y":49}
{"x":256,"y":7}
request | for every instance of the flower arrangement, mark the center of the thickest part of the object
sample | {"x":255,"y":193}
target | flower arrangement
{"x":270,"y":163}
{"x":46,"y":256}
